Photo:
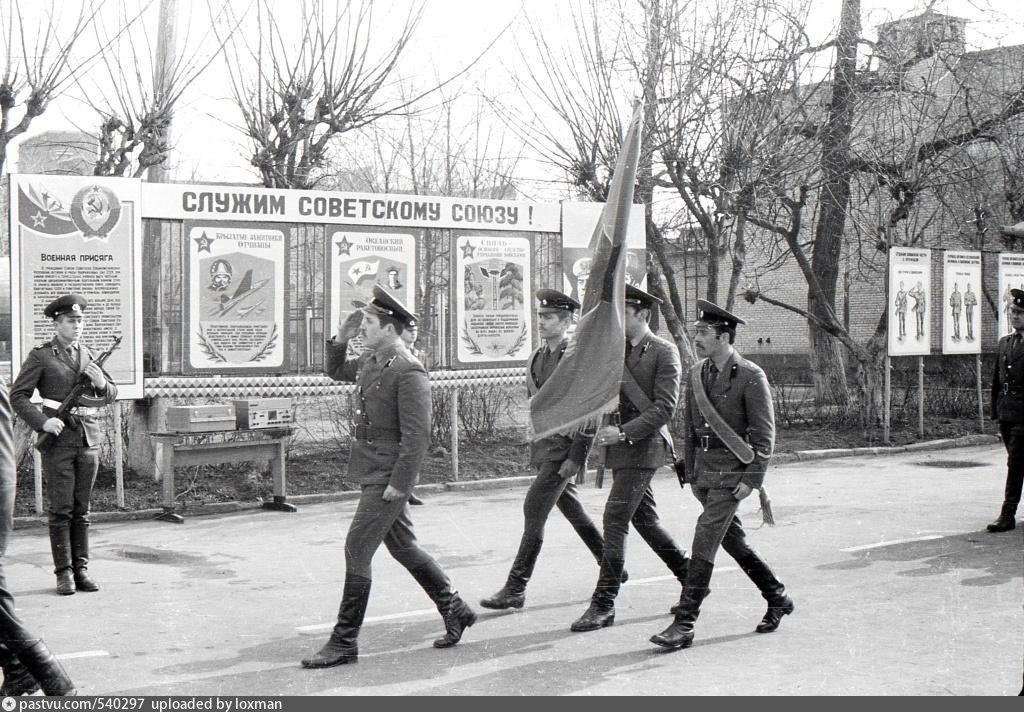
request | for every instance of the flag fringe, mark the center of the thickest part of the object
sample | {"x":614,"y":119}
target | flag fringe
{"x":766,"y":508}
{"x":587,"y":423}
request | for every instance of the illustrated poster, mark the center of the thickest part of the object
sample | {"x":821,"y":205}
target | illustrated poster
{"x":579,"y":220}
{"x":1011,"y":276}
{"x":237,"y":312}
{"x":961,"y":283}
{"x":910,"y":298}
{"x":492,"y":324}
{"x":359,"y":259}
{"x":82,"y":235}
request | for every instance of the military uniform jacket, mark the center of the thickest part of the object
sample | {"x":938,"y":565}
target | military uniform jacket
{"x":52,"y":372}
{"x":741,"y":396}
{"x":392,"y":421}
{"x":1008,"y":381}
{"x":654,"y":363}
{"x":555,"y":448}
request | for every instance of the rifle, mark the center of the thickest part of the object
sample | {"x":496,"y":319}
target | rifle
{"x":45,"y":441}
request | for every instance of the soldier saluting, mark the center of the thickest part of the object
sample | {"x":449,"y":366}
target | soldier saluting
{"x":69,"y":466}
{"x":728,"y":437}
{"x":392,"y":433}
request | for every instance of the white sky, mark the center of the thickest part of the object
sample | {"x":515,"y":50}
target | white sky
{"x":451,"y":34}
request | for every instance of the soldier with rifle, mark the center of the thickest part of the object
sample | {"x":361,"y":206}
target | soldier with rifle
{"x":71,"y":381}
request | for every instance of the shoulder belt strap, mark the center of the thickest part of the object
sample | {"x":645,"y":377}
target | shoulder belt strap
{"x":737,"y":445}
{"x":641,"y":400}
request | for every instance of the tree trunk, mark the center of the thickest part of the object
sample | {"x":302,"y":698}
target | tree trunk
{"x":834,"y":198}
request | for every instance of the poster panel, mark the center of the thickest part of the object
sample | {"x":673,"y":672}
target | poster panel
{"x":578,"y":223}
{"x":961,"y":285}
{"x":910,"y":297}
{"x":236,"y":318}
{"x":492,"y":324}
{"x":358,"y":259}
{"x":1011,"y":276}
{"x":83,"y":235}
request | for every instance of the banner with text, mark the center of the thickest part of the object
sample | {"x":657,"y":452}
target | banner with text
{"x":82,"y":235}
{"x":190,"y":202}
{"x":910,"y":276}
{"x":359,"y":259}
{"x":579,"y":220}
{"x":961,"y":282}
{"x":492,"y":324}
{"x":236,"y":319}
{"x":1011,"y":276}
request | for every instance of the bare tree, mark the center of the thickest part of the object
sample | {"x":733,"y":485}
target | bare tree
{"x":297,"y":91}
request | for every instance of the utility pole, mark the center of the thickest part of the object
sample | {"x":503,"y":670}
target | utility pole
{"x":150,"y":416}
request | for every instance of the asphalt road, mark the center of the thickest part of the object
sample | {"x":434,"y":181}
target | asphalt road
{"x":899,"y":590}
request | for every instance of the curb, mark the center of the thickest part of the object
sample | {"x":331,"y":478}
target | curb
{"x":505,"y":482}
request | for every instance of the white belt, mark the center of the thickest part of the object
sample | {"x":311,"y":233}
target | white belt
{"x":77,"y":410}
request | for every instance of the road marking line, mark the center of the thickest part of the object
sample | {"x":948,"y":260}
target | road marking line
{"x":656,"y":579}
{"x":83,"y":654}
{"x":865,"y":547}
{"x":318,"y":627}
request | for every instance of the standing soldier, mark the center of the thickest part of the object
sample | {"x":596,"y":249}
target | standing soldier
{"x":392,"y":434}
{"x":901,"y":312}
{"x":27,"y":664}
{"x":728,"y":437}
{"x":1008,"y":409}
{"x":69,"y":466}
{"x":919,"y":308}
{"x":970,"y":301}
{"x":636,"y":448}
{"x":558,"y":459}
{"x":956,"y":302}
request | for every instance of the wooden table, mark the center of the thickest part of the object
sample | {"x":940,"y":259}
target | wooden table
{"x":180,"y":449}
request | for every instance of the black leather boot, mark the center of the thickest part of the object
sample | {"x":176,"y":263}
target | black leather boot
{"x":41,"y":664}
{"x":1006,"y":520}
{"x":60,"y":548}
{"x":777,"y":607}
{"x":342,"y":647}
{"x":594,"y":618}
{"x":17,"y":679}
{"x":680,"y":633}
{"x":513,"y":593}
{"x":456,"y":613}
{"x":80,"y":557}
{"x":772,"y":590}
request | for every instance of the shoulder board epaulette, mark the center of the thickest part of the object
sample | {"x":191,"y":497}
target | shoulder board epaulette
{"x":390,"y":361}
{"x":41,"y":346}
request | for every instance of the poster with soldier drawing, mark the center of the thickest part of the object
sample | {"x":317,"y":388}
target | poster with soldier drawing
{"x":81,"y":235}
{"x":961,"y":282}
{"x":236,"y":317}
{"x":492,"y":323}
{"x":910,"y":299}
{"x":578,"y":223}
{"x":359,"y":259}
{"x":1011,"y":276}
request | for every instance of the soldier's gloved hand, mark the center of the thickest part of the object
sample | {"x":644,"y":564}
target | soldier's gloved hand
{"x":348,"y":328}
{"x":95,"y":374}
{"x":569,"y":468}
{"x":54,"y":426}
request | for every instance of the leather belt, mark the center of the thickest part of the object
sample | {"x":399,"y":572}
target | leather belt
{"x":369,"y":433}
{"x":79,"y":410}
{"x":710,"y":442}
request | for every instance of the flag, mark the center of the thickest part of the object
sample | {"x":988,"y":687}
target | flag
{"x":43,"y":212}
{"x":585,"y":383}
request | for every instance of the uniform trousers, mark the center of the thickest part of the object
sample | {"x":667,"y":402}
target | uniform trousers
{"x":1013,"y":439}
{"x":70,"y":475}
{"x":632,"y":500}
{"x":717,"y":526}
{"x":376,"y":521}
{"x":548,"y":490}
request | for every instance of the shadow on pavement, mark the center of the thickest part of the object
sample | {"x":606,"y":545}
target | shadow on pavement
{"x":996,"y":557}
{"x":400,"y":655}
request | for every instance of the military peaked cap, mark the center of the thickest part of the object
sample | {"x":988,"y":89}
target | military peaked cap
{"x":1018,"y":298}
{"x":550,"y":300}
{"x":713,"y":314}
{"x":68,"y":304}
{"x":640,"y":298}
{"x":386,"y":304}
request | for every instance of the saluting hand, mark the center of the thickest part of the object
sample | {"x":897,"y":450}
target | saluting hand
{"x":95,"y":374}
{"x":348,"y":327}
{"x":54,"y":426}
